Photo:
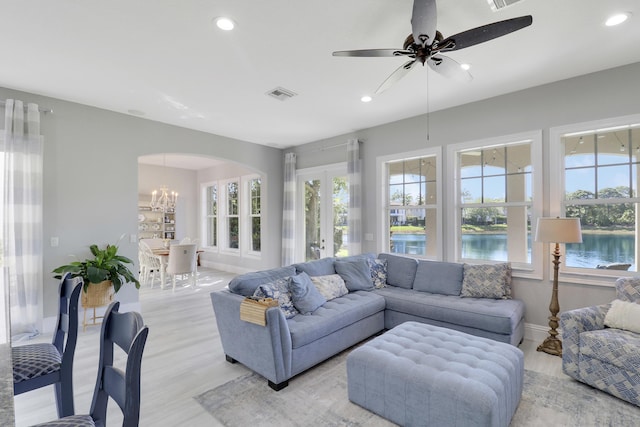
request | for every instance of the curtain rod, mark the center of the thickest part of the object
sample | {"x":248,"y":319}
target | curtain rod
{"x":42,"y":110}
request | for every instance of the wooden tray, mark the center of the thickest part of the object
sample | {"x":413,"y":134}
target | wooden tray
{"x":254,"y":310}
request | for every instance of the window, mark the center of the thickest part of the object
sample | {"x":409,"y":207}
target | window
{"x":232,"y":215}
{"x":212,"y":215}
{"x":411,"y":223}
{"x":495,"y":198}
{"x":254,"y":212}
{"x":598,"y":165}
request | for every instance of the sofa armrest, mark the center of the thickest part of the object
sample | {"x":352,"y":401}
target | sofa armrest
{"x":573,"y":323}
{"x":263,"y":349}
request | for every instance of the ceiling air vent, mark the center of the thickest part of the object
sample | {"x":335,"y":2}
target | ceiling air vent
{"x":499,"y":4}
{"x":281,"y":93}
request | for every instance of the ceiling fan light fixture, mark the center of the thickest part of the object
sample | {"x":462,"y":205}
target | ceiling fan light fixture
{"x":224,"y":23}
{"x":616,"y":19}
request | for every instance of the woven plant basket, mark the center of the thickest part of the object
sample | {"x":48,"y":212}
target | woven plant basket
{"x":98,"y":294}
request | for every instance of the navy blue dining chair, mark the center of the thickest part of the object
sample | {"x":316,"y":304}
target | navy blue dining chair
{"x":42,"y":364}
{"x":128,"y":332}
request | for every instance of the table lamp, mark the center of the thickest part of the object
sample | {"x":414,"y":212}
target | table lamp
{"x":556,"y":230}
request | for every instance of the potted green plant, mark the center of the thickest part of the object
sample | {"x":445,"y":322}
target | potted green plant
{"x":105,"y":266}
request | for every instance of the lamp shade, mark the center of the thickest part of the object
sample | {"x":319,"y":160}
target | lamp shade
{"x":558,"y":230}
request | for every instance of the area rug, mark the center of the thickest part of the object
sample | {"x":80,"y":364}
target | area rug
{"x":318,"y":397}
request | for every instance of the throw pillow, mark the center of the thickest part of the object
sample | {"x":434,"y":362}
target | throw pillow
{"x":279,"y":291}
{"x":304,"y":294}
{"x":623,"y":315}
{"x":401,"y":270}
{"x":378,"y":272}
{"x":356,"y":274}
{"x":486,"y":281}
{"x":330,"y":286}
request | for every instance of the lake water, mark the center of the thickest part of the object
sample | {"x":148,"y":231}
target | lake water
{"x":595,"y":249}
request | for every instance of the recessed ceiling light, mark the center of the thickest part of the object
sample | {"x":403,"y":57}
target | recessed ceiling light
{"x":465,"y":66}
{"x":616,"y":19}
{"x":366,"y":98}
{"x":224,"y":23}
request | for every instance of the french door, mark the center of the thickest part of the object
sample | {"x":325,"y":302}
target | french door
{"x":323,"y":200}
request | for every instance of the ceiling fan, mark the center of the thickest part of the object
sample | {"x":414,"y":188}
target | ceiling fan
{"x":425,"y":43}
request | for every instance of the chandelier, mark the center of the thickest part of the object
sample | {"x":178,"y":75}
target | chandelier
{"x":165,"y":201}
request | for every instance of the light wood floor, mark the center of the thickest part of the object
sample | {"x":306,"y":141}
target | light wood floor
{"x":183,"y":358}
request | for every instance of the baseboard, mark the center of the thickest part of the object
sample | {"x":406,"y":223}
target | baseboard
{"x":226,"y":267}
{"x":49,"y":323}
{"x":536,"y":333}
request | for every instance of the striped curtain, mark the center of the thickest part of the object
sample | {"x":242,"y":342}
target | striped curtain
{"x":354,"y":215}
{"x":21,"y":213}
{"x":288,"y":209}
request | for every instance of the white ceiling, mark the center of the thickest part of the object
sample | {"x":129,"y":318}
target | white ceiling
{"x":166,"y":58}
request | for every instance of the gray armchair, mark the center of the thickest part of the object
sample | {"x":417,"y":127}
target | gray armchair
{"x":605,"y":358}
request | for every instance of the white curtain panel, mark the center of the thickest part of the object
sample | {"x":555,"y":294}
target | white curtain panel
{"x":22,"y":216}
{"x":354,"y":215}
{"x":288,"y":209}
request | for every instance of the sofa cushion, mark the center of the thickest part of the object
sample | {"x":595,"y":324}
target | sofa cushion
{"x":487,"y":281}
{"x":330,"y":286}
{"x":356,"y":274}
{"x":494,"y":315}
{"x":378,"y":272}
{"x":333,"y":316}
{"x":318,"y":267}
{"x":439,"y":277}
{"x":279,"y":291}
{"x":401,"y":271}
{"x":246,"y":284}
{"x":612,"y":346}
{"x":623,"y":315}
{"x":304,"y":294}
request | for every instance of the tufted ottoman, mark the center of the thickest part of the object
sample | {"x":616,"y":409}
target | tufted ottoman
{"x":422,"y":375}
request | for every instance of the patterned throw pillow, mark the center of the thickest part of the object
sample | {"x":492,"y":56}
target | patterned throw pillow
{"x":378,"y":272}
{"x":330,"y":286}
{"x":487,"y":281}
{"x":279,"y":291}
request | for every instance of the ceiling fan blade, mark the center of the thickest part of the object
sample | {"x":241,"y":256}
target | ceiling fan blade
{"x":484,"y":33}
{"x":424,"y":21}
{"x":449,"y":68}
{"x":374,"y":53}
{"x":395,"y":76}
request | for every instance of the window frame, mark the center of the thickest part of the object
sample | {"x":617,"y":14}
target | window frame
{"x":590,"y":276}
{"x":246,"y":222}
{"x":206,"y":216}
{"x":382,"y":174}
{"x":454,"y":236}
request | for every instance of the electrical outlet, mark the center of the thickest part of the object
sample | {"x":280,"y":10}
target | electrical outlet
{"x":133,"y":238}
{"x":54,"y":242}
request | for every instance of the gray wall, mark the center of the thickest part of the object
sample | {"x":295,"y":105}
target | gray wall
{"x":91,"y":179}
{"x":610,"y":93}
{"x":91,"y":166}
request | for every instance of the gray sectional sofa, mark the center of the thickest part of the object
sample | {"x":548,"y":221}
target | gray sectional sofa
{"x":471,"y":299}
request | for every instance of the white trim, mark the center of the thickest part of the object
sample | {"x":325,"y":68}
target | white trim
{"x":246,"y":242}
{"x":533,"y":270}
{"x":381,"y":195}
{"x":204,"y":217}
{"x":593,"y":277}
{"x":324,"y":173}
